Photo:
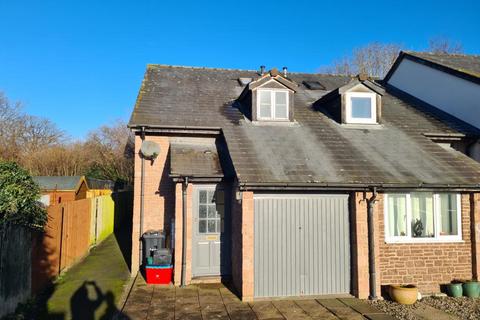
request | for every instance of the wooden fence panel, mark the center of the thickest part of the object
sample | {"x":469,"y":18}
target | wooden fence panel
{"x":15,"y":266}
{"x":46,"y":250}
{"x":76,"y":231}
{"x":70,"y":232}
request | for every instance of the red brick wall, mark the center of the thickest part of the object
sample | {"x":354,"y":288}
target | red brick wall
{"x":179,"y":235}
{"x":236,"y":216}
{"x":243,"y":245}
{"x":359,"y":241}
{"x":425,"y":265}
{"x":159,"y":197}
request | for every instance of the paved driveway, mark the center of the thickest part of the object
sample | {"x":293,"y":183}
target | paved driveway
{"x":214,"y":301}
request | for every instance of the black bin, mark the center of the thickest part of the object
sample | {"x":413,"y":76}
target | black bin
{"x":152,"y":241}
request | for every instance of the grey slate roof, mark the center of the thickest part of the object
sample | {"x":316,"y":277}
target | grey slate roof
{"x":460,"y":65}
{"x":194,"y":160}
{"x":57,"y":182}
{"x":469,"y":64}
{"x":315,"y":151}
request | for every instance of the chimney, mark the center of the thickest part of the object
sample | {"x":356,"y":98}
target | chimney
{"x":362,"y":76}
{"x":284,"y":71}
{"x":262,"y":70}
{"x":274,"y":72}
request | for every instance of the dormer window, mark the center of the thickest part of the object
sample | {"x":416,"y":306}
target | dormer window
{"x":361,"y":107}
{"x":272,"y":105}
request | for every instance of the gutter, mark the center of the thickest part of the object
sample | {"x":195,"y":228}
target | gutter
{"x":371,"y":245}
{"x":315,"y":186}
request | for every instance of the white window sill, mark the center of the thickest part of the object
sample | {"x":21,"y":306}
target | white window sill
{"x":287,"y":123}
{"x":422,"y":241}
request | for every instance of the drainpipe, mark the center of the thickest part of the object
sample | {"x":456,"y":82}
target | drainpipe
{"x":142,"y":197}
{"x":371,"y":245}
{"x":184,"y":231}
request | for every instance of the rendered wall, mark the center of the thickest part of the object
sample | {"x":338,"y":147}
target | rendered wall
{"x":451,"y":94}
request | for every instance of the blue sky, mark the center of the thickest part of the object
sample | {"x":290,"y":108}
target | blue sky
{"x":80,"y":63}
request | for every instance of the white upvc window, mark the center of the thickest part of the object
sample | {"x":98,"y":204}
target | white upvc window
{"x":272,"y":104}
{"x":361,"y":107}
{"x":422,"y":217}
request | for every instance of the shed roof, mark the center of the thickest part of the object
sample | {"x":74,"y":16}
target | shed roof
{"x":315,"y":150}
{"x":71,"y":183}
{"x":64,"y":183}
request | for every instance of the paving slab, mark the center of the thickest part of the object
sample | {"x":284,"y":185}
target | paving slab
{"x":426,"y":312}
{"x":379,"y":316}
{"x":205,"y":302}
{"x":315,"y":310}
{"x":340,"y":310}
{"x":360,"y":306}
{"x":290,"y":310}
{"x":265,"y":310}
{"x":242,"y":314}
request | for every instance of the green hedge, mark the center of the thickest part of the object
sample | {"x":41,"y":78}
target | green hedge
{"x":19,"y":198}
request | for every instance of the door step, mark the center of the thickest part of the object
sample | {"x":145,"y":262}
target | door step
{"x":207,"y":279}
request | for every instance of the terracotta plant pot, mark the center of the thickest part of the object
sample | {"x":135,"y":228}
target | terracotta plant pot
{"x":454,"y":289}
{"x":471,"y":289}
{"x":404,"y":294}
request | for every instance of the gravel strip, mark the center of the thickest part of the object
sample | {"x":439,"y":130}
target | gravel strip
{"x":464,"y":308}
{"x":396,"y":310}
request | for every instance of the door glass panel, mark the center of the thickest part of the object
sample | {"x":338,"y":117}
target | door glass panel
{"x":202,"y":226}
{"x":211,"y":197}
{"x":212,"y":211}
{"x":202,"y":211}
{"x":209,"y":212}
{"x":203,"y":196}
{"x":211,"y":226}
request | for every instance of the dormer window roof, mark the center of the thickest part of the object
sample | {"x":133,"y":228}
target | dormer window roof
{"x":357,"y":102}
{"x":361,"y":107}
{"x":269,"y":98}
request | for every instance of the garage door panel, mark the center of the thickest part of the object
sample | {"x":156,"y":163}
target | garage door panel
{"x":302,"y":245}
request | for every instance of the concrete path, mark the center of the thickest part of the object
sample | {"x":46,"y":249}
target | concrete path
{"x":215,"y":301}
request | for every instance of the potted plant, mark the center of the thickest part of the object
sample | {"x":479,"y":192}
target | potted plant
{"x":471,"y":288}
{"x":404,"y":294}
{"x":454,"y":289}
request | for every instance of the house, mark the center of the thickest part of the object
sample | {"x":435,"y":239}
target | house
{"x":59,"y":189}
{"x":449,"y":83}
{"x":293,"y":184}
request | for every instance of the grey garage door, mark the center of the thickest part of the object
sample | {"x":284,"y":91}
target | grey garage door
{"x":302,"y":245}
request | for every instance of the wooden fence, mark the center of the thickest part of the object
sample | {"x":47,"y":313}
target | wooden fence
{"x":31,"y":260}
{"x":72,"y":228}
{"x":15,"y":266}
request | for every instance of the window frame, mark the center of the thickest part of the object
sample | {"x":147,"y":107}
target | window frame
{"x":436,"y":221}
{"x":373,"y":108}
{"x":273,"y":105}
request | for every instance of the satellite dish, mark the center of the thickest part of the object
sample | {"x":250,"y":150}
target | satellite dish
{"x":150,"y":149}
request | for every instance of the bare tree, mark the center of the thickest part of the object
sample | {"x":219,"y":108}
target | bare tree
{"x":374,"y":60}
{"x":21,"y":134}
{"x":444,"y":45}
{"x":112,"y":148}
